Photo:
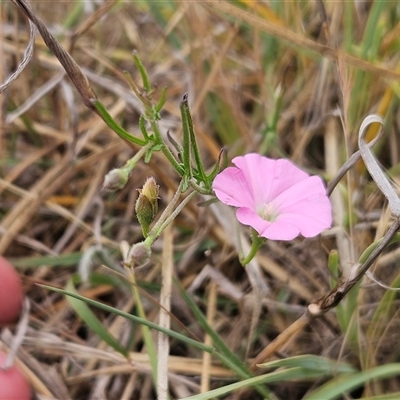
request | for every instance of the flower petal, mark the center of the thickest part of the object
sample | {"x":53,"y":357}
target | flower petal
{"x":281,"y":230}
{"x":307,"y":206}
{"x":268,"y":178}
{"x":249,"y":217}
{"x":232,"y":189}
{"x":308,"y":226}
{"x":300,"y":201}
{"x":277,"y":230}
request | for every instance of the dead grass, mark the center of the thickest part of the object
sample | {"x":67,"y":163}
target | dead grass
{"x":285,"y":81}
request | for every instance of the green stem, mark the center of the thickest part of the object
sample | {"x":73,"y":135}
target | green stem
{"x":176,"y":212}
{"x":155,"y":231}
{"x":131,"y":163}
{"x":199,"y":189}
{"x":257,"y":242}
{"x":164,"y":148}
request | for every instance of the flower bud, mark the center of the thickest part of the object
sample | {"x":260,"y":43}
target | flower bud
{"x":147,"y":205}
{"x":150,"y":190}
{"x":116,"y":179}
{"x":139,"y":254}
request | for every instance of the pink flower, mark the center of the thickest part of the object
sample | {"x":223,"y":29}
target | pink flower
{"x":276,"y":198}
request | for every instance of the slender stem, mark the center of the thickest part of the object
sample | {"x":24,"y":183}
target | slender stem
{"x":281,"y":340}
{"x":199,"y":189}
{"x":378,"y":250}
{"x":154,"y":233}
{"x":176,"y":211}
{"x":257,"y":242}
{"x":131,"y":163}
{"x":165,"y":149}
{"x":145,"y":101}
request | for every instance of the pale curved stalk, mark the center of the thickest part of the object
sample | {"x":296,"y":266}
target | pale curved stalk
{"x":373,"y":167}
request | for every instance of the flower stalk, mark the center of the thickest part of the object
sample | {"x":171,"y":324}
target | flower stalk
{"x":256,"y":243}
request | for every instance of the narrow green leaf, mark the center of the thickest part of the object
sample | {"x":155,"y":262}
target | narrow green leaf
{"x":163,"y":99}
{"x":108,"y":119}
{"x":93,"y":322}
{"x":63,"y":260}
{"x":217,"y":340}
{"x":148,"y":340}
{"x":277,"y":376}
{"x":335,"y":388}
{"x":142,"y":71}
{"x":193,"y":142}
{"x":186,"y":139}
{"x":311,"y":362}
{"x":142,"y":125}
{"x":229,"y":359}
{"x":133,"y":318}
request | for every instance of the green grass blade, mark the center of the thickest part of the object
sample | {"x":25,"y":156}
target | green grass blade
{"x":63,"y":260}
{"x":133,"y":318}
{"x":92,"y":321}
{"x":217,"y":340}
{"x":148,"y":340}
{"x":335,"y":388}
{"x":311,"y":362}
{"x":224,"y":353}
{"x":277,"y":376}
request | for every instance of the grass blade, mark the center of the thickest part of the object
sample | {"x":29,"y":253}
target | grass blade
{"x":92,"y":321}
{"x":335,"y":388}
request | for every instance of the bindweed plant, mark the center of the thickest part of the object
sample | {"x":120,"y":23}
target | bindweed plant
{"x":275,"y":198}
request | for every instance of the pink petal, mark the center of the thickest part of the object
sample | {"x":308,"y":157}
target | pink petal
{"x":276,"y":230}
{"x":307,"y":206}
{"x":281,"y":230}
{"x":268,"y":178}
{"x":249,"y":217}
{"x":308,"y":226}
{"x":300,"y":200}
{"x":232,"y":188}
{"x":308,"y":188}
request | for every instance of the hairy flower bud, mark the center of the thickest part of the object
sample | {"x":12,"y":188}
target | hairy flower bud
{"x":139,"y":254}
{"x":147,"y":205}
{"x":150,"y":190}
{"x":116,"y":179}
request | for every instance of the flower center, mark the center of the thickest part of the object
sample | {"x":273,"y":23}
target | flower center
{"x":268,"y":212}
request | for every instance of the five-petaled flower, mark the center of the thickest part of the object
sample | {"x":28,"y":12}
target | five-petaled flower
{"x":276,"y":198}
